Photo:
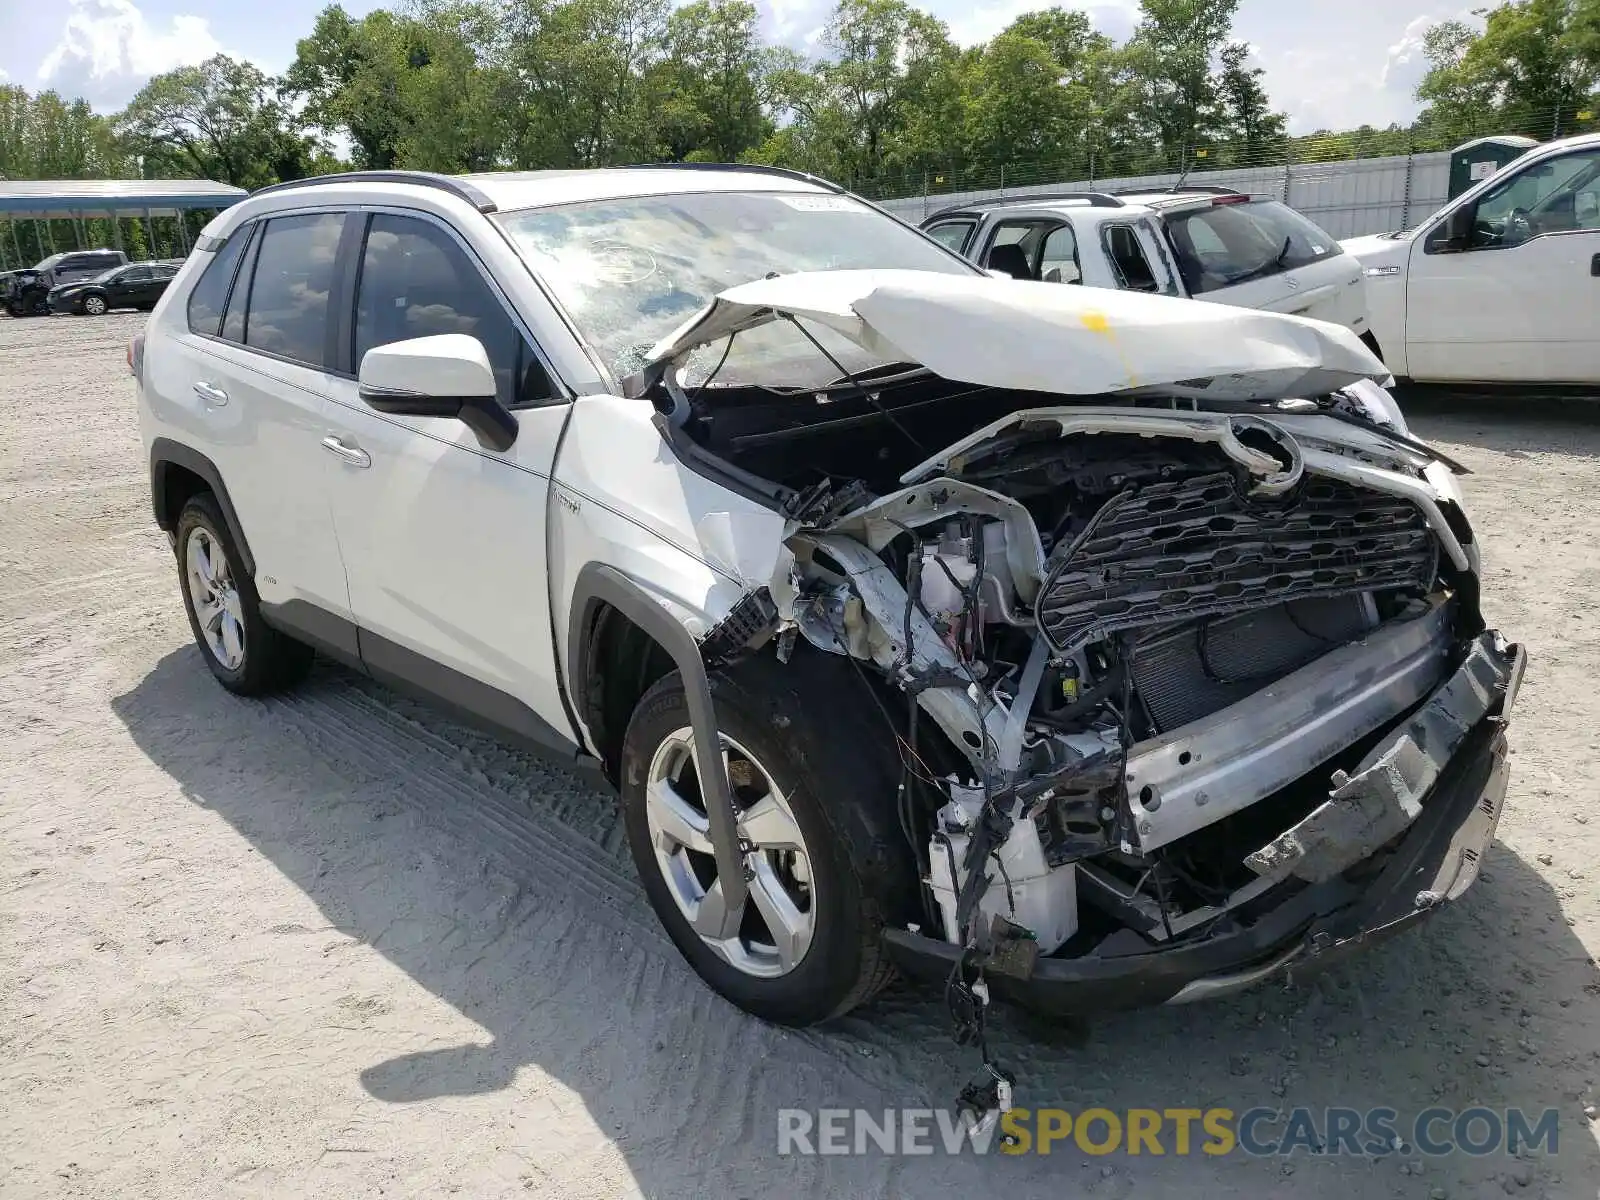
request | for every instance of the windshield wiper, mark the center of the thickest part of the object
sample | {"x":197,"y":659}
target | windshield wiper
{"x":1275,"y":264}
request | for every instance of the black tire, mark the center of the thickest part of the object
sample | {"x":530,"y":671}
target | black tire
{"x":813,"y":727}
{"x":272,"y":660}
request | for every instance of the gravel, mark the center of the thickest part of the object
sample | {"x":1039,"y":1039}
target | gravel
{"x":334,"y":944}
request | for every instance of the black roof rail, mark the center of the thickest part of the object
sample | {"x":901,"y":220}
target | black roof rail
{"x":752,"y":168}
{"x":445,"y":183}
{"x":1093,"y":199}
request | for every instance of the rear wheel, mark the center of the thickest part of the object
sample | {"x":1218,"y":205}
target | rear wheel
{"x":824,"y":863}
{"x":245,"y":654}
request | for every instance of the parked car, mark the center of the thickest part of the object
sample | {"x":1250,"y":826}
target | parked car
{"x":137,"y":285}
{"x":1207,"y":243}
{"x":27,"y":292}
{"x":1502,"y":285}
{"x":1089,"y":647}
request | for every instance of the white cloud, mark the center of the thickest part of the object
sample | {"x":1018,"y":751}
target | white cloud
{"x":108,"y":49}
{"x":1116,"y":18}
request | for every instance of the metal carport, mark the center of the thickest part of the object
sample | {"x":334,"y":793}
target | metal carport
{"x":42,"y":201}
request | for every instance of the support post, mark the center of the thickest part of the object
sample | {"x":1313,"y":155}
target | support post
{"x":116,"y":229}
{"x":151,"y":247}
{"x":1405,"y":202}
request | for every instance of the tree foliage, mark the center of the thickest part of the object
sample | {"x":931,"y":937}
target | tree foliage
{"x":889,"y":103}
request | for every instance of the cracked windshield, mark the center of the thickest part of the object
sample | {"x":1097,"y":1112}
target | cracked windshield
{"x":630,"y":272}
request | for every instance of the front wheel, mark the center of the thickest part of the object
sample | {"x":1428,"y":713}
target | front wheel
{"x":824,"y":862}
{"x":94,"y":306}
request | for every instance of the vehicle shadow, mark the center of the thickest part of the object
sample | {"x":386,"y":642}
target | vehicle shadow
{"x":500,"y":886}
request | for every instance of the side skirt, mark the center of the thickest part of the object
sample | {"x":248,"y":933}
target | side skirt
{"x":458,"y":695}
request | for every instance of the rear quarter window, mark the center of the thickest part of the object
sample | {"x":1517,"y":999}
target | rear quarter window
{"x":1220,"y":245}
{"x":210,"y":294}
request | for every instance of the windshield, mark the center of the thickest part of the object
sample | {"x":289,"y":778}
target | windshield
{"x":104,"y":276}
{"x":630,"y":271}
{"x":1227,"y":243}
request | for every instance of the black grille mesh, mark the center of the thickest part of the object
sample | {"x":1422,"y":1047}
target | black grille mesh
{"x":1193,"y":548}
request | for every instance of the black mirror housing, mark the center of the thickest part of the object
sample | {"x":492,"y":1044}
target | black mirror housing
{"x":1454,"y":234}
{"x":490,"y":421}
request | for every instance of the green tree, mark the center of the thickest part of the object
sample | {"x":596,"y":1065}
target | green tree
{"x":1254,"y":133}
{"x":1170,"y":59}
{"x":219,"y":120}
{"x":710,"y":84}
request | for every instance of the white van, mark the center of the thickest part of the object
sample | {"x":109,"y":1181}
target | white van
{"x":1502,"y":285}
{"x":1209,"y":243}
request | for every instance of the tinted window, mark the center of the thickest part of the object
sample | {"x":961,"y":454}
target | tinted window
{"x":233,"y":323}
{"x":288,"y":312}
{"x":952,"y":234}
{"x":132,"y":275}
{"x":1232,"y":242}
{"x":416,"y":281}
{"x":1128,"y":262}
{"x":210,"y":294}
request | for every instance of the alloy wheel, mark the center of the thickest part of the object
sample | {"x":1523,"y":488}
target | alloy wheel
{"x":215,"y":597}
{"x":95,"y":306}
{"x":778,"y":919}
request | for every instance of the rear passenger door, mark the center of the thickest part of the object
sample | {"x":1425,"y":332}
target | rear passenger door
{"x":443,"y":538}
{"x":257,"y":351}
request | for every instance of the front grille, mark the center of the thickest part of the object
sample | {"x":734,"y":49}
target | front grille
{"x":1196,"y":547}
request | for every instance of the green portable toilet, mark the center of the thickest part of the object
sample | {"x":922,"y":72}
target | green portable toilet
{"x":1478,"y":159}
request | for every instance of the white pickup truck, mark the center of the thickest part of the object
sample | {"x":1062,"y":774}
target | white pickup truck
{"x":1502,"y":285}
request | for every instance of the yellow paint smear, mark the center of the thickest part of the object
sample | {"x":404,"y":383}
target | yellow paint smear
{"x":1095,"y":322}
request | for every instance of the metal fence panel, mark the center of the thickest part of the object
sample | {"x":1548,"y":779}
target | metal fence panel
{"x":1372,"y":195}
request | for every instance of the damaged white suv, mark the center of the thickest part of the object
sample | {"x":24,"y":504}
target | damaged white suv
{"x":1086,"y":647}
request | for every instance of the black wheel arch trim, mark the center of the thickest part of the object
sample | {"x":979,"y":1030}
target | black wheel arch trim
{"x":165,"y":452}
{"x":598,"y":584}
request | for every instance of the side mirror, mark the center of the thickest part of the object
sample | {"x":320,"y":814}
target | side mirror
{"x":443,"y":376}
{"x":1454,"y":234}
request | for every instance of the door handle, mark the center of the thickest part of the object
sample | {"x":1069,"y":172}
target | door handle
{"x":353,"y":455}
{"x":210,"y":394}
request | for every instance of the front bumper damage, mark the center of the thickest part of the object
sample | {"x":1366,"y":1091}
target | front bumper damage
{"x":1395,"y":841}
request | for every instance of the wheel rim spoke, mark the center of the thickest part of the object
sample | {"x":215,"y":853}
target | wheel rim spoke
{"x":790,"y":928}
{"x":232,"y":641}
{"x":712,"y":920}
{"x":675,"y":821}
{"x":768,"y":824}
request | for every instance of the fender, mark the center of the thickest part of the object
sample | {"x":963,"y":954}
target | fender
{"x":599,"y":584}
{"x":165,"y":452}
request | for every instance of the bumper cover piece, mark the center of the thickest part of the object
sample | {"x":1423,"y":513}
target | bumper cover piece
{"x":1434,"y":861}
{"x":1369,"y":809}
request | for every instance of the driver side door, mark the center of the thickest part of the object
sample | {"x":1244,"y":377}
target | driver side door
{"x":1518,"y":303}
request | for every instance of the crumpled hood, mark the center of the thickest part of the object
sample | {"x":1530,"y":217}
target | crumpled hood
{"x":1048,"y":337}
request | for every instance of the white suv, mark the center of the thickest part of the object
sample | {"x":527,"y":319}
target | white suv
{"x":1114,"y":648}
{"x":1207,"y":243}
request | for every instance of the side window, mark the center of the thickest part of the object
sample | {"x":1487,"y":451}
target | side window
{"x":1014,"y":249}
{"x":288,"y":306}
{"x":1128,"y":262}
{"x":233,"y":324}
{"x":417,"y":281}
{"x":210,"y":294}
{"x":951,"y":234}
{"x":1058,"y":263}
{"x":133,"y":275}
{"x":1558,"y":196}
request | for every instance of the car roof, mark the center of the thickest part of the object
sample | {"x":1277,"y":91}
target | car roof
{"x":508,"y":191}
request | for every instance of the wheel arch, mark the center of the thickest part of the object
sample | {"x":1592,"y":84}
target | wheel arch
{"x":178,"y":472}
{"x":606,"y":602}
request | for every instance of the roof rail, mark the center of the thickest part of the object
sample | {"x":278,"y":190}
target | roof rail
{"x":752,"y":168}
{"x":444,"y":183}
{"x":1204,"y":189}
{"x":1093,"y":199}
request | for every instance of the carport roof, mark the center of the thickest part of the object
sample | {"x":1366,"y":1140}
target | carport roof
{"x":41,"y":198}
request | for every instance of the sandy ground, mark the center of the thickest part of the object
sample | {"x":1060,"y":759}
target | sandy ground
{"x":335,"y":945}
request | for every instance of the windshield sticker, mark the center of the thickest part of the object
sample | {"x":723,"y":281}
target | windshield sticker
{"x":820,"y":203}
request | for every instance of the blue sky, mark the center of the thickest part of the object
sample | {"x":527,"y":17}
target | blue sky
{"x":1329,"y":63}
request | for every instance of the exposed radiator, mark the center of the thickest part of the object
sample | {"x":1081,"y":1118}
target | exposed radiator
{"x":1185,"y":673}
